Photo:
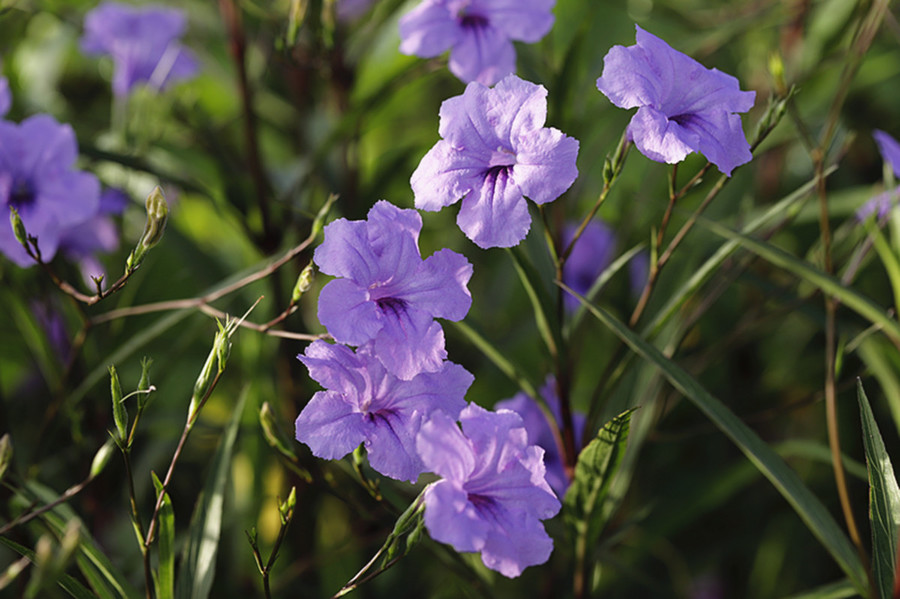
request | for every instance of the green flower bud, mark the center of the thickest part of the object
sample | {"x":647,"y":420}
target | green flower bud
{"x":157,"y":215}
{"x":144,"y":384}
{"x":6,"y":453}
{"x":304,"y":281}
{"x":286,"y":509}
{"x":120,"y":413}
{"x":101,"y":458}
{"x":18,"y":227}
{"x":275,"y":437}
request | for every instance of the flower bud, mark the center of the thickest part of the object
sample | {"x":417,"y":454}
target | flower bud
{"x":286,"y":509}
{"x":6,"y":453}
{"x":120,"y":413}
{"x":157,"y":215}
{"x":304,"y":281}
{"x":275,"y":437}
{"x":144,"y":384}
{"x":18,"y":227}
{"x":101,"y":458}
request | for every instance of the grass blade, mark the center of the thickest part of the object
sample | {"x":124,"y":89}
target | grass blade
{"x":165,"y":578}
{"x":884,"y":499}
{"x":198,"y":566}
{"x":808,"y":507}
{"x":66,"y":582}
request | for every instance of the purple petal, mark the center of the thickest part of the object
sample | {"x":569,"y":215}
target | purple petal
{"x":330,"y":426}
{"x":429,"y":29}
{"x":452,"y":519}
{"x":335,"y":367}
{"x":628,"y":78}
{"x":889,"y":148}
{"x":483,"y":54}
{"x":346,"y":311}
{"x":72,"y":197}
{"x":523,"y":20}
{"x":660,"y":139}
{"x":515,"y":542}
{"x":720,"y":138}
{"x":346,"y":252}
{"x":391,"y":445}
{"x":545,"y":164}
{"x":439,"y":286}
{"x":410,"y":342}
{"x":444,"y":449}
{"x":49,"y":147}
{"x":495,"y":214}
{"x":444,"y":176}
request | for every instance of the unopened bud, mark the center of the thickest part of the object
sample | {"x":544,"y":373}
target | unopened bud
{"x":275,"y":437}
{"x":6,"y":453}
{"x":144,"y":384}
{"x":776,"y":69}
{"x":18,"y":227}
{"x":222,"y":346}
{"x":120,"y":413}
{"x":101,"y":458}
{"x":319,"y":221}
{"x":304,"y":281}
{"x":157,"y":215}
{"x":286,"y":509}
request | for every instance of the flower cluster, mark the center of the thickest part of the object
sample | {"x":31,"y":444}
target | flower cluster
{"x":396,"y":394}
{"x":495,"y":150}
{"x":683,"y":107}
{"x":478,"y":33}
{"x":143,"y":43}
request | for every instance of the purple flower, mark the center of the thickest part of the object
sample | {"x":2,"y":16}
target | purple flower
{"x":478,"y":33}
{"x":350,"y":10}
{"x":363,"y":403}
{"x":540,"y":433}
{"x":495,"y":150}
{"x":683,"y":107}
{"x":593,"y":252}
{"x":387,"y":294}
{"x":883,"y":202}
{"x":38,"y":178}
{"x":493,"y":495}
{"x":143,"y":43}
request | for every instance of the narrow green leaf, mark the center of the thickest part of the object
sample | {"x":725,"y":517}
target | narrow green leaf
{"x":597,"y":466}
{"x":165,"y":576}
{"x":877,"y":353}
{"x":888,"y":258}
{"x":540,"y":302}
{"x":198,"y":566}
{"x":66,"y":582}
{"x":850,"y":298}
{"x":497,"y":357}
{"x":783,"y":208}
{"x":816,"y":517}
{"x":842,"y":589}
{"x":884,"y":499}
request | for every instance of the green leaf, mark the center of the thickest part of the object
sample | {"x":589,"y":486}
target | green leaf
{"x":835,"y":590}
{"x":884,"y":499}
{"x":540,"y":302}
{"x":198,"y":565}
{"x":597,"y":466}
{"x":816,"y":517}
{"x":850,"y":298}
{"x":68,"y":584}
{"x":165,"y":577}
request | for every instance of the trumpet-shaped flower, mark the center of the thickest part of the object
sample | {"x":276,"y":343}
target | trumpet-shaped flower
{"x":683,"y":107}
{"x":363,"y":403}
{"x":495,"y":150}
{"x":143,"y":43}
{"x":493,"y":494}
{"x":387,"y":294}
{"x":38,"y":179}
{"x":478,"y":33}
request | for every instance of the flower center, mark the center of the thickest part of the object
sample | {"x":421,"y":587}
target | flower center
{"x":392,"y":305}
{"x":469,"y":21}
{"x":683,"y":119}
{"x":22,"y":194}
{"x":486,"y":506}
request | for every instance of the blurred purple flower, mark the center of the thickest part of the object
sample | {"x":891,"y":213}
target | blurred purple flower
{"x":881,"y":204}
{"x":143,"y":43}
{"x":38,"y":178}
{"x":350,"y":10}
{"x":593,"y":252}
{"x":493,"y":495}
{"x":540,"y":433}
{"x":683,"y":107}
{"x":387,"y":294}
{"x":478,"y":33}
{"x":100,"y":234}
{"x":5,"y":97}
{"x":363,"y":403}
{"x":495,"y":150}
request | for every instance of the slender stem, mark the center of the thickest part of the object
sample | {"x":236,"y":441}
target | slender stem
{"x":69,"y":494}
{"x":136,"y":521}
